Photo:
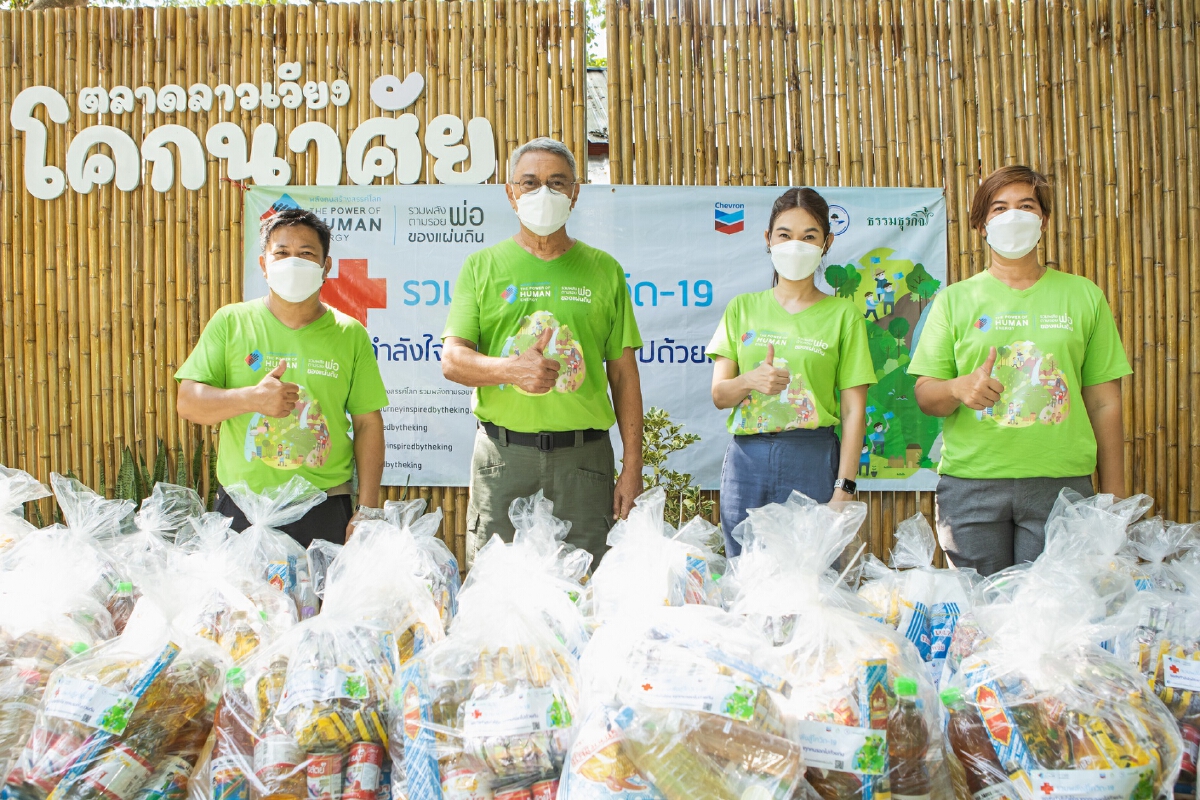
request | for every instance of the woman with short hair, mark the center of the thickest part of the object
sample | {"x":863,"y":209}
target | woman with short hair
{"x":1025,"y":363}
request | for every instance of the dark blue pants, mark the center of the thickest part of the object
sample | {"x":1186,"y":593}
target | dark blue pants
{"x":766,"y":468}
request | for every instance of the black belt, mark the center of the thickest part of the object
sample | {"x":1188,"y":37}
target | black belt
{"x":545,"y":441}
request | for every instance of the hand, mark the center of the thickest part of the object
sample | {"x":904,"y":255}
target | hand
{"x":629,"y":487}
{"x":978,"y":389}
{"x":766,"y":378}
{"x":274,"y":398}
{"x":840,"y":496}
{"x":531,"y":371}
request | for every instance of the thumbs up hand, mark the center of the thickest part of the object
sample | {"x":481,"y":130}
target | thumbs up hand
{"x":979,"y":390}
{"x":274,"y":398}
{"x":531,"y":371}
{"x":767,"y":378}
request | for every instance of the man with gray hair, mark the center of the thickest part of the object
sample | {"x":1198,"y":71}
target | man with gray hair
{"x":541,"y":325}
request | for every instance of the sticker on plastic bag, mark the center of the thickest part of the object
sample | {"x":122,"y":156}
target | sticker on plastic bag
{"x":1092,"y":784}
{"x":310,"y":686}
{"x":1181,"y":673}
{"x":523,"y":711}
{"x":862,"y":751}
{"x":716,"y":694}
{"x":90,"y":703}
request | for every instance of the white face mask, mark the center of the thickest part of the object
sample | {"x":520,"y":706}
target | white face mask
{"x":796,"y":260}
{"x":1014,"y":233}
{"x":294,"y":279}
{"x":544,"y":211}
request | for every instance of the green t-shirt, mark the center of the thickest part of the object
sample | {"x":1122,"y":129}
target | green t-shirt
{"x":824,"y":347}
{"x":505,"y":297}
{"x":334,"y":365}
{"x":1051,"y":340}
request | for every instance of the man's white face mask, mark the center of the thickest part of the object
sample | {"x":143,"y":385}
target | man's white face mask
{"x":544,"y":211}
{"x":1014,"y":233}
{"x":295,"y":279}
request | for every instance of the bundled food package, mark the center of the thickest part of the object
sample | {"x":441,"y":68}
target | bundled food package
{"x":493,"y":707}
{"x":1039,"y":710}
{"x":42,"y":626}
{"x":220,"y":597}
{"x":305,"y":717}
{"x":121,"y":716}
{"x":682,"y":703}
{"x":73,"y":555}
{"x":438,"y":566}
{"x":862,"y":705}
{"x":320,"y":554}
{"x":145,"y":551}
{"x":379,"y":577}
{"x":278,"y":557}
{"x":915,"y":598}
{"x":1156,"y":543}
{"x":535,"y":525}
{"x":16,"y":489}
{"x":651,"y":565}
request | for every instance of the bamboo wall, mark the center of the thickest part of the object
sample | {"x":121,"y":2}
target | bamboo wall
{"x":104,"y":294}
{"x":1101,"y":96}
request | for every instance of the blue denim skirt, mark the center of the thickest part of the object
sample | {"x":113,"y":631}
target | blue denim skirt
{"x":764,"y":468}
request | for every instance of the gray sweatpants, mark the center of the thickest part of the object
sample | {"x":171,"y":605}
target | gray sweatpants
{"x":990,"y":525}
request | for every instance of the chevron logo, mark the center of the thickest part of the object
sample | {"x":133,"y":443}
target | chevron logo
{"x":730,"y":218}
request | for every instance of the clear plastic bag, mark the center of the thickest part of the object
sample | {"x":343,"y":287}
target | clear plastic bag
{"x":305,"y":716}
{"x":42,"y":626}
{"x":1061,"y":717}
{"x":320,"y":555}
{"x":439,"y":567}
{"x":72,"y":556}
{"x":1154,"y":542}
{"x":493,"y":707}
{"x":278,"y":557}
{"x":650,"y":565}
{"x":862,"y":705}
{"x":920,"y":601}
{"x":16,"y":489}
{"x":113,"y":717}
{"x":145,"y":551}
{"x":535,"y":525}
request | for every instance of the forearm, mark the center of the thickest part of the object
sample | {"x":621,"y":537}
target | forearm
{"x":1110,"y":449}
{"x":468,"y":367}
{"x":368,"y":458}
{"x":627,"y":403}
{"x":937,"y":398}
{"x":728,"y":393}
{"x":210,"y":405}
{"x":854,"y":426}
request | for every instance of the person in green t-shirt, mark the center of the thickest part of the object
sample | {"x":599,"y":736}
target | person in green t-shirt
{"x":288,"y":379}
{"x":791,"y":363}
{"x":541,"y":326}
{"x":1025,"y":363}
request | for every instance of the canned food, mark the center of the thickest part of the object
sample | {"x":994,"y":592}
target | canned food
{"x":363,"y":770}
{"x":325,"y":776}
{"x":545,"y":790}
{"x":514,"y":794}
{"x":275,"y":757}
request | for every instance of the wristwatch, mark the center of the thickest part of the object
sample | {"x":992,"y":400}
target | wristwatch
{"x":846,"y":485}
{"x":368,"y":512}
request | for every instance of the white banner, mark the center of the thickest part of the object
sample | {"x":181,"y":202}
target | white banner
{"x":687,"y":251}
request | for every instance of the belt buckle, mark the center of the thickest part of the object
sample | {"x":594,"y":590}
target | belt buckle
{"x":545,"y":442}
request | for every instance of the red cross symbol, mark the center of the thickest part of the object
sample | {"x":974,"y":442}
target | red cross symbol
{"x":646,"y":687}
{"x":1174,"y":669}
{"x":476,"y":714}
{"x":352,"y":291}
{"x":1046,"y":788}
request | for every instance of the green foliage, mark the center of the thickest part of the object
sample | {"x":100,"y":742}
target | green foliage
{"x":923,"y":285}
{"x":849,"y":287}
{"x":596,"y":22}
{"x":135,"y":482}
{"x":898,"y":327}
{"x":662,"y":438}
{"x":835,"y":276}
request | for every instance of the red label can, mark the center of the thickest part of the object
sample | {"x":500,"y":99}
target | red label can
{"x":545,"y":790}
{"x":325,"y":776}
{"x":514,"y":794}
{"x":1191,"y":743}
{"x":363,"y":770}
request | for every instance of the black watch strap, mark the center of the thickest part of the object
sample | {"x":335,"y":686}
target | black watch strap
{"x":846,"y":485}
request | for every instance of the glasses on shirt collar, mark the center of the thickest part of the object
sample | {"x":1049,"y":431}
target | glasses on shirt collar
{"x":529,"y":185}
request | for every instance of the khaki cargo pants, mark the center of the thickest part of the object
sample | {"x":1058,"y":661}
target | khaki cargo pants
{"x":579,"y":480}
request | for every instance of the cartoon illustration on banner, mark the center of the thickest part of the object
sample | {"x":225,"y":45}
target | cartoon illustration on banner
{"x":687,"y":251}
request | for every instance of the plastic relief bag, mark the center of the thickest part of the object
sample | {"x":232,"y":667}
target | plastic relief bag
{"x":16,"y":489}
{"x":276,"y":556}
{"x":439,"y":567}
{"x":111,"y":718}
